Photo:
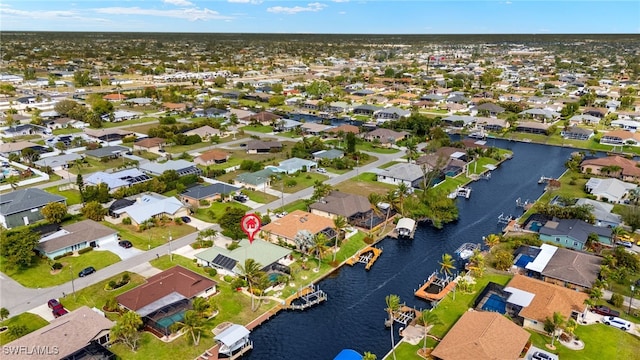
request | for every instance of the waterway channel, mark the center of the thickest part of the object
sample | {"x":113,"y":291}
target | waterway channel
{"x":353,"y":317}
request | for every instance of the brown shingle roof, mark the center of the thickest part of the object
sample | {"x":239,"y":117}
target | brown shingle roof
{"x":289,"y":225}
{"x":263,"y":116}
{"x":482,"y":335}
{"x":215,"y":155}
{"x":346,"y":128}
{"x":115,"y":97}
{"x":549,"y":298}
{"x":177,"y":279}
{"x":150,"y":142}
{"x":341,"y":203}
{"x":80,"y":232}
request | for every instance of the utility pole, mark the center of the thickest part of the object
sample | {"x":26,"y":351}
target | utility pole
{"x":170,"y":249}
{"x":73,"y":286}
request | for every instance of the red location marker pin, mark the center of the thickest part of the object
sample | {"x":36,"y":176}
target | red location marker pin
{"x":250,"y":224}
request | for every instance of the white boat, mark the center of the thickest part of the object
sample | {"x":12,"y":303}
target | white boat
{"x":461,"y":191}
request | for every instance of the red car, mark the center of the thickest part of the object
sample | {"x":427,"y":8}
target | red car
{"x":606,"y":311}
{"x":56,"y":308}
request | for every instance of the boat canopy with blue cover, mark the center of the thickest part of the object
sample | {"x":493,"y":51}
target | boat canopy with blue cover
{"x":348,"y":354}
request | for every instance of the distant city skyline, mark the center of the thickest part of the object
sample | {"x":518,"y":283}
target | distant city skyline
{"x":329,"y":16}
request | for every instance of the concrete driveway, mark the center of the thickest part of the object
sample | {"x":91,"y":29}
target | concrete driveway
{"x":43,"y":311}
{"x":124,"y":254}
{"x":201,"y":225}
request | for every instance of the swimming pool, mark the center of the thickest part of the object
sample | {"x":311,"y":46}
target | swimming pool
{"x":495,"y":303}
{"x":167,"y":321}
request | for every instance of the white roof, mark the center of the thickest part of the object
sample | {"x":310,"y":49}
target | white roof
{"x":113,"y":180}
{"x":148,"y":206}
{"x":519,"y":297}
{"x":233,"y":336}
{"x":406,"y":223}
{"x":54,"y":161}
{"x":541,"y":261}
{"x":159,"y":168}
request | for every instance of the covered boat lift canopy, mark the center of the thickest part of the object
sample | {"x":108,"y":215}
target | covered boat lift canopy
{"x":233,"y":338}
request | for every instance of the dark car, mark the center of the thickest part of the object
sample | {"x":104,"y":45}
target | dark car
{"x":605,"y":310}
{"x":125,"y":243}
{"x":186,"y":219}
{"x":56,"y":308}
{"x":241,"y":198}
{"x":87,"y":271}
{"x":540,"y":356}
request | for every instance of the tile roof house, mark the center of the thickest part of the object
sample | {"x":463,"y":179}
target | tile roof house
{"x":482,"y":335}
{"x":22,"y":207}
{"x":212,"y":157}
{"x":182,"y":167}
{"x":385,"y":136}
{"x":149,"y":206}
{"x":74,"y":237}
{"x":620,"y":137}
{"x":572,"y":233}
{"x":171,"y":285}
{"x":409,"y":174}
{"x":298,"y":228}
{"x":210,"y":193}
{"x":79,"y":334}
{"x":609,"y":190}
{"x":345,"y":128}
{"x":116,"y":180}
{"x":263,"y":117}
{"x":270,"y":256}
{"x":535,"y":300}
{"x":612,"y":166}
{"x":314,"y":128}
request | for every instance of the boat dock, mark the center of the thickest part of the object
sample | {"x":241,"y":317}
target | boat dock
{"x":404,"y":315}
{"x":465,"y":251}
{"x":367,"y":256}
{"x":305,"y":298}
{"x":435,"y":288}
{"x":405,"y":229}
{"x":461,"y":191}
{"x":544,"y":179}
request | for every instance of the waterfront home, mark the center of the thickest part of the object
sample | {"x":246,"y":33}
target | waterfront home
{"x":602,"y":212}
{"x":150,"y":206}
{"x":81,"y":334}
{"x":391,"y":113}
{"x":311,"y":128}
{"x":409,"y":174}
{"x":263,"y":117}
{"x":573,"y":233}
{"x":299,"y":229}
{"x":367,"y":110}
{"x":481,"y":335}
{"x":181,"y":167}
{"x":74,"y":237}
{"x":488,"y":108}
{"x":532,"y":127}
{"x":262,"y":147}
{"x":612,"y":166}
{"x":577,"y":133}
{"x":533,"y":301}
{"x":273,"y":258}
{"x":355,"y":208}
{"x":117,"y":180}
{"x":22,"y":207}
{"x":386,"y":137}
{"x":150,"y":144}
{"x":620,"y":137}
{"x":609,"y":190}
{"x":584,"y":119}
{"x":287,"y":125}
{"x":166,"y":295}
{"x":206,"y":193}
{"x":212,"y":157}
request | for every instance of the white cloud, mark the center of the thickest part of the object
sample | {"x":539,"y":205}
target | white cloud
{"x":253,"y":2}
{"x":178,"y":2}
{"x":311,"y":7}
{"x":340,"y":1}
{"x":191,"y":14}
{"x":508,"y":2}
{"x":64,"y":15}
{"x":342,"y":12}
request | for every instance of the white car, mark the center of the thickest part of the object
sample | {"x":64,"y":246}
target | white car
{"x":321,"y":170}
{"x":617,"y":322}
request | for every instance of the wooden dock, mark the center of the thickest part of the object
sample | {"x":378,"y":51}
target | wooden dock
{"x":445,"y":284}
{"x":367,"y":256}
{"x":309,"y":296}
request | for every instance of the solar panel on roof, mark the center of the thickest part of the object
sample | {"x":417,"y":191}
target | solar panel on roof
{"x":224,"y":262}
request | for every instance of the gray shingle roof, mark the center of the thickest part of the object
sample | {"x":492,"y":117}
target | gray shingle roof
{"x":107,"y":151}
{"x":201,"y":192}
{"x":403,"y":171}
{"x":343,"y":204}
{"x":80,"y":232}
{"x":574,"y":267}
{"x":27,"y":199}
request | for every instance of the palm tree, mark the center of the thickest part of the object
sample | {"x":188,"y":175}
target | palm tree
{"x":491,"y":240}
{"x":200,"y":305}
{"x":393,"y":305}
{"x":477,"y":263}
{"x":319,"y":246}
{"x":206,"y":234}
{"x":193,"y":323}
{"x":412,"y":148}
{"x":617,"y":231}
{"x":374,"y":199}
{"x":553,"y":325}
{"x":428,"y":318}
{"x":447,"y":264}
{"x":402,"y":192}
{"x":391,"y":198}
{"x":252,"y":272}
{"x":340,"y":223}
{"x":369,"y":356}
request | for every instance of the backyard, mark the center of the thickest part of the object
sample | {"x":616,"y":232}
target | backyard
{"x":73,"y":196}
{"x":364,"y":184}
{"x":296,"y":182}
{"x":213,"y":212}
{"x":152,"y":237}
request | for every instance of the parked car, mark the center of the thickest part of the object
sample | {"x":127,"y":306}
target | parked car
{"x":321,"y":170}
{"x":605,"y":310}
{"x":627,"y":244}
{"x":617,"y":322}
{"x":539,"y":355}
{"x":185,"y":219}
{"x":125,"y":243}
{"x":56,"y":308}
{"x":86,"y":271}
{"x":241,"y":198}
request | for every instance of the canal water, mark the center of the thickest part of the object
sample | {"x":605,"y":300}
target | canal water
{"x":353,"y":317}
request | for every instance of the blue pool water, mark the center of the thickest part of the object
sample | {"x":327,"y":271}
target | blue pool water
{"x":496,"y":304}
{"x":166,"y":322}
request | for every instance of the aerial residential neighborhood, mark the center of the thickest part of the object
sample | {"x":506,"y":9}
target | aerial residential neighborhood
{"x":408,"y":197}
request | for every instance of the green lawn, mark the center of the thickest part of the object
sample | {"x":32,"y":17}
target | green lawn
{"x":289,"y":134}
{"x":217,"y":208}
{"x":369,"y":147}
{"x":33,"y":322}
{"x":349,"y":247}
{"x":92,"y":165}
{"x":601,"y":342}
{"x":66,"y":131}
{"x":73,"y":196}
{"x":259,"y":196}
{"x":164,"y":262}
{"x":258,"y":128}
{"x":40,"y":276}
{"x":155,"y":236}
{"x":572,"y":186}
{"x":293,"y":206}
{"x":96,"y":295}
{"x":303,"y":180}
{"x":107,"y":124}
{"x":364,"y":184}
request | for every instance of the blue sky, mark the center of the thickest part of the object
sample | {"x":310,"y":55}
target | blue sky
{"x":328,"y":16}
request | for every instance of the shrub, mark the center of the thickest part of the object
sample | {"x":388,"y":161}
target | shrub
{"x":126,"y":277}
{"x":85,"y":250}
{"x":126,"y":221}
{"x":111,"y":304}
{"x":69,"y":253}
{"x":228,"y":278}
{"x":213,"y":272}
{"x":112,"y":284}
{"x":238,"y":283}
{"x":56,"y":266}
{"x":178,"y":221}
{"x":204,"y":203}
{"x":616,"y":300}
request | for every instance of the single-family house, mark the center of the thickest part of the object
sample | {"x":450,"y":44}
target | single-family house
{"x":263,"y":117}
{"x":114,"y":97}
{"x":584,"y":119}
{"x":540,"y":114}
{"x":573,"y":233}
{"x":491,"y":124}
{"x":107,"y":135}
{"x":209,"y":193}
{"x":74,"y":237}
{"x":532,"y":127}
{"x":409,"y":174}
{"x":602,"y":212}
{"x":535,"y":300}
{"x":311,"y":128}
{"x":205,"y":132}
{"x":140,"y":101}
{"x":624,"y":124}
{"x":150,"y":206}
{"x":58,"y":162}
{"x":182,"y":167}
{"x":150,"y":144}
{"x":293,"y":165}
{"x":391,"y":113}
{"x":26,"y":129}
{"x":118,"y":179}
{"x":212,"y":157}
{"x":566,"y":268}
{"x":107,"y":152}
{"x":22,"y":207}
{"x":9,"y":148}
{"x":620,"y":137}
{"x":174,"y":107}
{"x":273,"y":258}
{"x":298,"y":228}
{"x":81,"y":334}
{"x":609,"y":190}
{"x":261,"y":147}
{"x":385,"y":136}
{"x":597,"y":112}
{"x":355,"y":208}
{"x":287,"y":125}
{"x":120,"y":115}
{"x":482,"y":335}
{"x":459,"y":120}
{"x":490,"y":109}
{"x":211,"y":112}
{"x":344,"y":128}
{"x":330,"y":154}
{"x":612,"y":166}
{"x":577,"y":133}
{"x":366,"y":109}
{"x":258,"y":180}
